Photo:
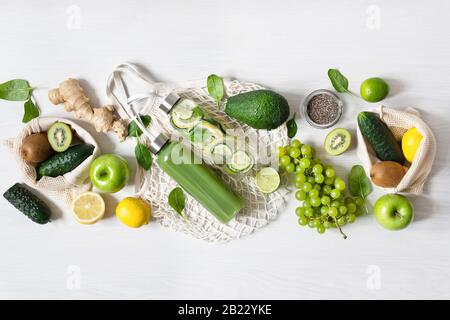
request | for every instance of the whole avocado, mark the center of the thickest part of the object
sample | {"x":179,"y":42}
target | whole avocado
{"x":260,"y":109}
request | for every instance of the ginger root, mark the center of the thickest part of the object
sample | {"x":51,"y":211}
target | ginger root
{"x":75,"y":100}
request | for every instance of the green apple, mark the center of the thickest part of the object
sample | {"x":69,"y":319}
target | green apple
{"x":393,"y":211}
{"x":110,"y":173}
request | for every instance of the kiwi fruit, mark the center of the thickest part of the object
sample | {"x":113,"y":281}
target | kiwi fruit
{"x":387,"y":174}
{"x":337,"y":141}
{"x":60,"y":136}
{"x":36,"y":148}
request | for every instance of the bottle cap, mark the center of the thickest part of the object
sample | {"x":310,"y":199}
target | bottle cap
{"x":168,"y":102}
{"x":157,"y":143}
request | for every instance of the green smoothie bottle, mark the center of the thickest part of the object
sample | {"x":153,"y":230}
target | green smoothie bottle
{"x":196,"y":178}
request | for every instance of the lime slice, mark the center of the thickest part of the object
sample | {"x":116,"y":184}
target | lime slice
{"x":206,"y":133}
{"x":267,"y":180}
{"x":241,"y":162}
{"x":183,"y":109}
{"x":221,"y":153}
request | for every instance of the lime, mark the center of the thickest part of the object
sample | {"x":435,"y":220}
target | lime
{"x":267,"y":180}
{"x":374,"y":89}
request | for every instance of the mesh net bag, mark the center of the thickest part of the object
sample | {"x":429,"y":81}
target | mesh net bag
{"x":155,"y":185}
{"x":67,"y":186}
{"x":399,"y":121}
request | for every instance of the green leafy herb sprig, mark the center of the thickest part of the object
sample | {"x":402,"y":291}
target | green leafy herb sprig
{"x":359,"y":184}
{"x":141,"y":151}
{"x":20,"y":90}
{"x":291,"y":127}
{"x":216,"y":88}
{"x":177,"y":201}
{"x":339,"y":81}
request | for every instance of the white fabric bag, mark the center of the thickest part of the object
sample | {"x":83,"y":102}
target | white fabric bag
{"x":63,"y":188}
{"x":399,"y":121}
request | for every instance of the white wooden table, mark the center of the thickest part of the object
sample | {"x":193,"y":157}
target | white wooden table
{"x":285,"y":45}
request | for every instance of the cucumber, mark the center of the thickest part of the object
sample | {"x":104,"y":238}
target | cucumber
{"x":63,"y":162}
{"x":28,"y":203}
{"x":240,"y":162}
{"x":380,"y":137}
{"x":186,"y":115}
{"x":221,"y":153}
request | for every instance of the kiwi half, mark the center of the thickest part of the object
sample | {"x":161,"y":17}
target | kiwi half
{"x":59,"y":136}
{"x":337,"y":141}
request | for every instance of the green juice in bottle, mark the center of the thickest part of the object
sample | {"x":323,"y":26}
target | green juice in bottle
{"x":199,"y":181}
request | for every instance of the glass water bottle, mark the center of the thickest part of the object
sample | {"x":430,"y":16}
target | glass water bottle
{"x":196,"y":178}
{"x":206,"y":134}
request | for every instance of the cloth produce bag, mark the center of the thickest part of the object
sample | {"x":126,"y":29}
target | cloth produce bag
{"x":62,"y":188}
{"x":399,"y":121}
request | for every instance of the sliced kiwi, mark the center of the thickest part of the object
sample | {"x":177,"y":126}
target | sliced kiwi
{"x":337,"y":141}
{"x":59,"y":136}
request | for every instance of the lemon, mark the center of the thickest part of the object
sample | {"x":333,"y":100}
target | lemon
{"x":267,"y":180}
{"x":133,"y":212}
{"x":410,"y":143}
{"x":88,"y":207}
{"x":374,"y":89}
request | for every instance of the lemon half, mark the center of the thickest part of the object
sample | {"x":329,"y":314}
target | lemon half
{"x":88,"y":207}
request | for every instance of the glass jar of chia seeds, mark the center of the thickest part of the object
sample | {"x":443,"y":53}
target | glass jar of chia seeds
{"x":322,"y":108}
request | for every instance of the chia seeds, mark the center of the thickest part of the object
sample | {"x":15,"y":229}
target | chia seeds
{"x":323,"y":109}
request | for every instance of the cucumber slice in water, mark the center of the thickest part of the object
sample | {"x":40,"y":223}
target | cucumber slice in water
{"x":183,"y":109}
{"x":240,"y":162}
{"x":221,"y":153}
{"x":186,"y":114}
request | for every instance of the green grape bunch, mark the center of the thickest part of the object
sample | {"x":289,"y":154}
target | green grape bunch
{"x":322,"y":194}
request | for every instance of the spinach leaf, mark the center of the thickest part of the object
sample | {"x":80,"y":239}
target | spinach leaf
{"x":358,"y":183}
{"x":134,"y":130}
{"x":338,"y":80}
{"x":31,"y":111}
{"x":291,"y":127}
{"x":177,"y":201}
{"x":216,"y":88}
{"x":143,"y":156}
{"x":15,"y":90}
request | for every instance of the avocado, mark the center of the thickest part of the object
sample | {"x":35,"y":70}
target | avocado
{"x":260,"y":109}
